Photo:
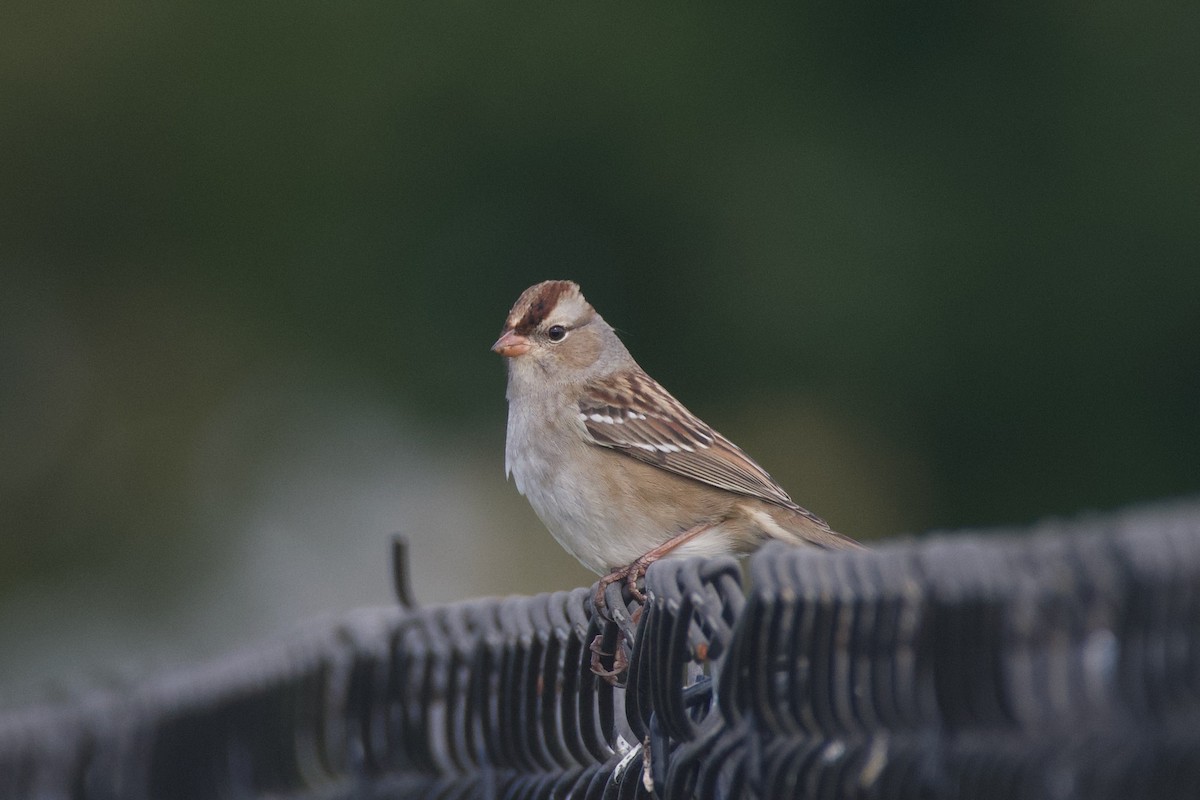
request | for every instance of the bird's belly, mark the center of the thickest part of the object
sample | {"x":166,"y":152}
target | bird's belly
{"x":589,"y":526}
{"x":589,"y":517}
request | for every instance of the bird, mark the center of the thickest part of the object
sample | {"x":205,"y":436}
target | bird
{"x":616,"y":468}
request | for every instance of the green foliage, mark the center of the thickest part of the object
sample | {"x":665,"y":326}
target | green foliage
{"x":971,"y":232}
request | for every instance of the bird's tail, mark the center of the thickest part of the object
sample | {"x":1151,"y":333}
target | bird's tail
{"x":800,"y":527}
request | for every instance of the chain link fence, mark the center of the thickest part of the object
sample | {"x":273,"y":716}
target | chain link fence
{"x":1057,"y":663}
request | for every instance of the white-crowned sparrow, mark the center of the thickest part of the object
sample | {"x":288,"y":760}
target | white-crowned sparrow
{"x":618,"y":470}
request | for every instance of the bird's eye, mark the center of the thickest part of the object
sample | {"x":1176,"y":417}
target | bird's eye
{"x":557,"y":333}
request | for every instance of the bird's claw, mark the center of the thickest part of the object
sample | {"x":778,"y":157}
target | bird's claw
{"x":630,"y":576}
{"x":620,"y":661}
{"x":631,"y":580}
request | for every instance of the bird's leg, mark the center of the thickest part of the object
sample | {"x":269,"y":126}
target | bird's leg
{"x":634,"y":572}
{"x":631,"y":574}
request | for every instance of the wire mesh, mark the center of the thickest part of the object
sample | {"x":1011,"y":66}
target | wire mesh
{"x":1059,"y":665}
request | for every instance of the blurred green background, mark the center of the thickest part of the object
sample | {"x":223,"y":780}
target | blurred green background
{"x":933,"y":265}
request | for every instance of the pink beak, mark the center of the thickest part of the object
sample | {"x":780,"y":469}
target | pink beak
{"x":511,"y":344}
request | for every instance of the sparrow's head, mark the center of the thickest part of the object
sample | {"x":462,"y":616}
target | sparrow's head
{"x":553,"y":327}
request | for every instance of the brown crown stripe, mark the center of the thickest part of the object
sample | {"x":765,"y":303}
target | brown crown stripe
{"x":536,"y":303}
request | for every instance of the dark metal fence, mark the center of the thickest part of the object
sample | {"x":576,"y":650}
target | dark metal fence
{"x":1064,"y":663}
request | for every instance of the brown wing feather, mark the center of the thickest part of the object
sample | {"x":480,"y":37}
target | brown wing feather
{"x":632,"y":414}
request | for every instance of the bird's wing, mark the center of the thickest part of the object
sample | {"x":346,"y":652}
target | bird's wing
{"x":632,"y":414}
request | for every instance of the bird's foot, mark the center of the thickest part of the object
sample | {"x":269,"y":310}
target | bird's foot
{"x":630,"y":575}
{"x":620,"y":661}
{"x":634,"y":572}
